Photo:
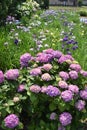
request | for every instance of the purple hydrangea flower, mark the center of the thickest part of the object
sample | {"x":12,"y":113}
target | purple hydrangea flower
{"x":11,"y":121}
{"x":61,"y":128}
{"x":84,"y":73}
{"x":35,"y":88}
{"x":44,"y":58}
{"x":47,"y":67}
{"x":75,"y":67}
{"x":80,"y":105}
{"x":46,"y":77}
{"x":64,"y":75}
{"x":62,"y":84}
{"x":73,"y":88}
{"x":83,"y":94}
{"x":67,"y":95}
{"x":21,"y":88}
{"x":24,"y":59}
{"x":64,"y":58}
{"x":53,"y":116}
{"x":35,"y":72}
{"x":52,"y":91}
{"x":1,"y":77}
{"x":73,"y":74}
{"x":48,"y":51}
{"x":12,"y":74}
{"x":65,"y":118}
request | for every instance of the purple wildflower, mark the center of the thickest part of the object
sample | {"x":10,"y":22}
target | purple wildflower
{"x":11,"y":121}
{"x":65,"y":118}
{"x":53,"y":116}
{"x":62,"y":84}
{"x":64,"y":75}
{"x":73,"y":88}
{"x":24,"y":59}
{"x":67,"y":95}
{"x":75,"y":67}
{"x":35,"y":72}
{"x":80,"y":105}
{"x":46,"y":77}
{"x":12,"y":74}
{"x":52,"y":91}
{"x":35,"y":88}
{"x":21,"y":88}
{"x":83,"y":94}
{"x":73,"y":74}
{"x":1,"y":77}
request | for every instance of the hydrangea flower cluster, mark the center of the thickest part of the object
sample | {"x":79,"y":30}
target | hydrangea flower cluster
{"x":11,"y":121}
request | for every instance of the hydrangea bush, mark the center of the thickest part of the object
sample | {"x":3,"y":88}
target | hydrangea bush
{"x":49,"y":92}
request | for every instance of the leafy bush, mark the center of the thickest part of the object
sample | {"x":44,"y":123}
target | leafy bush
{"x":44,"y":4}
{"x":27,"y":8}
{"x":83,"y":13}
{"x":48,"y":92}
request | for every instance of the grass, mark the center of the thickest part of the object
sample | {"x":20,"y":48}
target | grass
{"x":10,"y":54}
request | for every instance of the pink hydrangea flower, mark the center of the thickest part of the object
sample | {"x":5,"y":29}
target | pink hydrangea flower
{"x":64,"y":75}
{"x":73,"y":74}
{"x":12,"y":74}
{"x":75,"y":67}
{"x":46,"y":77}
{"x":47,"y":67}
{"x":35,"y":88}
{"x":21,"y":88}
{"x":1,"y":77}
{"x":73,"y":88}
{"x":35,"y":72}
{"x":62,"y":84}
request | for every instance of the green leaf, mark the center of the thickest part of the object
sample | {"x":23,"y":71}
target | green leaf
{"x":10,"y":103}
{"x":52,"y":106}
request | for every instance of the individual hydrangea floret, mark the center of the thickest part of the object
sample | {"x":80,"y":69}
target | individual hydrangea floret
{"x":1,"y":77}
{"x":35,"y":72}
{"x":65,"y":118}
{"x":62,"y":84}
{"x":47,"y":67}
{"x":80,"y":105}
{"x":75,"y":67}
{"x":73,"y":88}
{"x":73,"y":74}
{"x":11,"y":121}
{"x":12,"y":74}
{"x":67,"y":95}
{"x":46,"y":77}
{"x":83,"y":73}
{"x":24,"y":59}
{"x":35,"y":88}
{"x":61,"y":127}
{"x":52,"y":91}
{"x":83,"y":94}
{"x":53,"y":116}
{"x":21,"y":88}
{"x":64,"y":75}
